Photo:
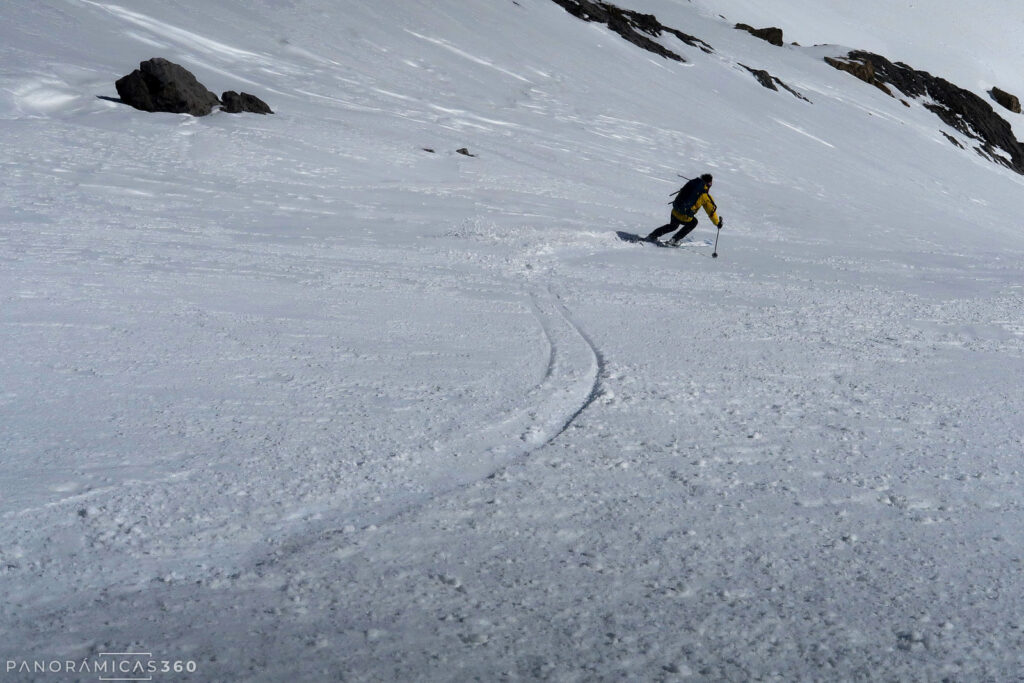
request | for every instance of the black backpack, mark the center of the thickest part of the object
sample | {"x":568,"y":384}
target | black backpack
{"x":688,"y":196}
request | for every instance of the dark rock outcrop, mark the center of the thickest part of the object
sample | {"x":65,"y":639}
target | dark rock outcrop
{"x":862,"y":69}
{"x":960,"y":109}
{"x":772,"y":34}
{"x":635,"y":27}
{"x":160,"y":85}
{"x":952,"y":139}
{"x":771,"y":82}
{"x":763,"y":77}
{"x":1005,"y":99}
{"x":235,"y":103}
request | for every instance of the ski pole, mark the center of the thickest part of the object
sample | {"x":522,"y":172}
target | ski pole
{"x":714,"y":254}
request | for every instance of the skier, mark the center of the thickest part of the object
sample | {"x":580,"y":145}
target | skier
{"x":692,"y":196}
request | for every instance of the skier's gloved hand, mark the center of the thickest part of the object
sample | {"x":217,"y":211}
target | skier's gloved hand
{"x":721,"y":222}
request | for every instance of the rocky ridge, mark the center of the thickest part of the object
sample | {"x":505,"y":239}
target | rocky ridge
{"x":958,"y":108}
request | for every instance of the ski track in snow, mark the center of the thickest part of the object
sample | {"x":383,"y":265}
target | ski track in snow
{"x":570,"y":383}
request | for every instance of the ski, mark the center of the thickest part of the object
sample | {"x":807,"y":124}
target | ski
{"x":638,"y":239}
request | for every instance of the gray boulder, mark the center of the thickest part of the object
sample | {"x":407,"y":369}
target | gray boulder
{"x":160,"y":85}
{"x":236,"y":103}
{"x":1005,"y":99}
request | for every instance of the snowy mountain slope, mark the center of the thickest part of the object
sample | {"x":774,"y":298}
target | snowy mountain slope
{"x":291,"y":396}
{"x":975,"y":45}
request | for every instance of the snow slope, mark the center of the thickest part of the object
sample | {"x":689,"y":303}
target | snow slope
{"x":292,"y":397}
{"x":976,"y":45}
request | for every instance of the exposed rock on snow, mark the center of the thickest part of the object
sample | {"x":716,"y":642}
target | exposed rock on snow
{"x":160,"y":85}
{"x":632,"y":26}
{"x":771,"y":82}
{"x":953,"y":140}
{"x":960,"y":109}
{"x":863,"y":69}
{"x":771,"y":34}
{"x":235,"y":103}
{"x":1007,"y":100}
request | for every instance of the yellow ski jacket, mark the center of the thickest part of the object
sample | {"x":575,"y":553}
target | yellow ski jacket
{"x":704,"y":201}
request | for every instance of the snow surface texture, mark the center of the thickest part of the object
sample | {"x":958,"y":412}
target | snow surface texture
{"x":294,"y":398}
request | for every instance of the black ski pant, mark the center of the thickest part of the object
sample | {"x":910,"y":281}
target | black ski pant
{"x":674,"y":223}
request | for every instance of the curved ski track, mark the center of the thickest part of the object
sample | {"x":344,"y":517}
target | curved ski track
{"x":570,"y":384}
